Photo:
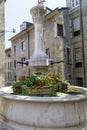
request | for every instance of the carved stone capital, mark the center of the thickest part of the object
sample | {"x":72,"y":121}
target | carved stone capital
{"x":38,"y":14}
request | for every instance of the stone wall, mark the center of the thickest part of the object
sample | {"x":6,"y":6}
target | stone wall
{"x":2,"y":36}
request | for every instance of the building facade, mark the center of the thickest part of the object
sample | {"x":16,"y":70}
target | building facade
{"x":65,"y":39}
{"x":8,"y":67}
{"x":56,"y":44}
{"x":2,"y":46}
{"x":78,"y":38}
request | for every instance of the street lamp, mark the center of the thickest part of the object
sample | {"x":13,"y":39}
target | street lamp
{"x":4,"y":31}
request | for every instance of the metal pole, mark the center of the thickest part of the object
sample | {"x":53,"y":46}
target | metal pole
{"x":83,"y":51}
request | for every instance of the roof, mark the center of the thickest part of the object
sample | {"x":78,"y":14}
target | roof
{"x":48,"y":16}
{"x":22,"y":32}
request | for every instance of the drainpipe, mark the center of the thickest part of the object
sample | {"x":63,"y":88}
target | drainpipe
{"x":83,"y":51}
{"x":28,"y":36}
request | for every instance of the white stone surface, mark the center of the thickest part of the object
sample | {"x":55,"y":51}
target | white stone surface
{"x":43,"y":113}
{"x":39,"y":56}
{"x":38,"y":14}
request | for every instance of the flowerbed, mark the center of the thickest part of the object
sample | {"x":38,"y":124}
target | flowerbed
{"x":42,"y":85}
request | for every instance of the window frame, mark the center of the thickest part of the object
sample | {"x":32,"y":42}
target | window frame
{"x":15,"y":64}
{"x":23,"y":45}
{"x":76,"y":28}
{"x":75,"y":3}
{"x":78,"y":62}
{"x":9,"y":65}
{"x":15,"y":49}
{"x":9,"y":76}
{"x":58,"y":30}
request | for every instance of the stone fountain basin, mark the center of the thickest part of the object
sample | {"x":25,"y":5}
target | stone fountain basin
{"x":43,"y":113}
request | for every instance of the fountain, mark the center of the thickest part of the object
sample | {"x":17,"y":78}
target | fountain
{"x":42,"y":113}
{"x":39,"y":60}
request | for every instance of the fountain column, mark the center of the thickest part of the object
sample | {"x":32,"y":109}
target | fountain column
{"x":38,"y":14}
{"x":39,"y":58}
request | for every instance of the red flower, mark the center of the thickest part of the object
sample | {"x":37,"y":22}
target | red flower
{"x":41,"y":84}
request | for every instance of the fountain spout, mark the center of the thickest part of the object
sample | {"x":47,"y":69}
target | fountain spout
{"x":55,"y":62}
{"x":25,"y":62}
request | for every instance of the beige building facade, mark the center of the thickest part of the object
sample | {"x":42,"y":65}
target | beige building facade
{"x":2,"y":48}
{"x":8,"y":67}
{"x":78,"y":31}
{"x":56,"y":44}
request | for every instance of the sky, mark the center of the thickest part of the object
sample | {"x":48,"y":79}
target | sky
{"x":17,"y":11}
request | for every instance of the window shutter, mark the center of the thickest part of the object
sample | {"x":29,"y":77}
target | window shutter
{"x":78,"y":57}
{"x":76,"y":24}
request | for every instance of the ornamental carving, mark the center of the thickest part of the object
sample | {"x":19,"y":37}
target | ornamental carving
{"x":38,"y":14}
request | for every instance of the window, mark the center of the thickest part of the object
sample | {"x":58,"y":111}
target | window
{"x":22,"y":60}
{"x":14,"y":49}
{"x":59,"y":30}
{"x":23,"y":26}
{"x":9,"y":76}
{"x":14,"y":63}
{"x":76,"y":26}
{"x":48,"y":52}
{"x":68,"y":56}
{"x":15,"y":78}
{"x":74,"y":3}
{"x":78,"y":57}
{"x":22,"y":45}
{"x":9,"y":65}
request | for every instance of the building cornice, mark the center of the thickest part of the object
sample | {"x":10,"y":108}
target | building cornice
{"x":22,"y":33}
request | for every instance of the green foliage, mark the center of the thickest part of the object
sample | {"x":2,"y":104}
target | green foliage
{"x":39,"y":81}
{"x":62,"y":86}
{"x":24,"y":89}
